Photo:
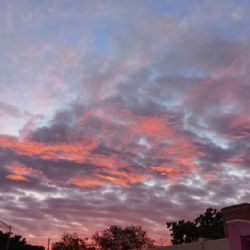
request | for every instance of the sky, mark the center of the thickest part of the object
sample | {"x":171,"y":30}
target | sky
{"x":121,"y":112}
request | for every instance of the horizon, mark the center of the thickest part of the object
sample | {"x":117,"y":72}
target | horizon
{"x":121,"y":112}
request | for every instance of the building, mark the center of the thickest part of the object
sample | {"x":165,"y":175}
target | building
{"x":237,"y":230}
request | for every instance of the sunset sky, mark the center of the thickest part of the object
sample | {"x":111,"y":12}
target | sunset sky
{"x":121,"y":112}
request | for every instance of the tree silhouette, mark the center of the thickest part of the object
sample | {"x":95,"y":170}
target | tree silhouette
{"x":72,"y":242}
{"x":16,"y":242}
{"x":117,"y":237}
{"x":182,"y":231}
{"x":208,"y":225}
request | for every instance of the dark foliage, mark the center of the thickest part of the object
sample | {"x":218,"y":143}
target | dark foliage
{"x":116,"y":237}
{"x":208,"y":225}
{"x":72,"y":242}
{"x":16,"y":242}
{"x":182,"y":232}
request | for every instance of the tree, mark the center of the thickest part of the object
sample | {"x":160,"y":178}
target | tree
{"x":17,"y":242}
{"x":182,"y":232}
{"x":117,"y":237}
{"x":72,"y":242}
{"x":208,"y":225}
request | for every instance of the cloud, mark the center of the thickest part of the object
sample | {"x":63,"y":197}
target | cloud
{"x":17,"y":178}
{"x":122,"y":113}
{"x":8,"y":110}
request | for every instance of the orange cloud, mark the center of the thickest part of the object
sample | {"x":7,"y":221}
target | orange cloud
{"x":20,"y":170}
{"x":84,"y":182}
{"x":152,"y":126}
{"x":170,"y":172}
{"x":117,"y":177}
{"x":124,"y":178}
{"x":17,"y":178}
{"x":186,"y":163}
{"x":71,"y":152}
{"x":114,"y":180}
{"x":107,"y":161}
{"x":165,"y":170}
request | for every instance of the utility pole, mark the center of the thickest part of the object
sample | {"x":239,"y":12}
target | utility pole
{"x":9,"y":233}
{"x":48,"y":244}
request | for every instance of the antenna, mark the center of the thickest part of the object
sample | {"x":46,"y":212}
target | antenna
{"x":48,"y":244}
{"x":9,"y":233}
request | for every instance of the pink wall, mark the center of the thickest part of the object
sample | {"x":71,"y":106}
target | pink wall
{"x":238,"y":231}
